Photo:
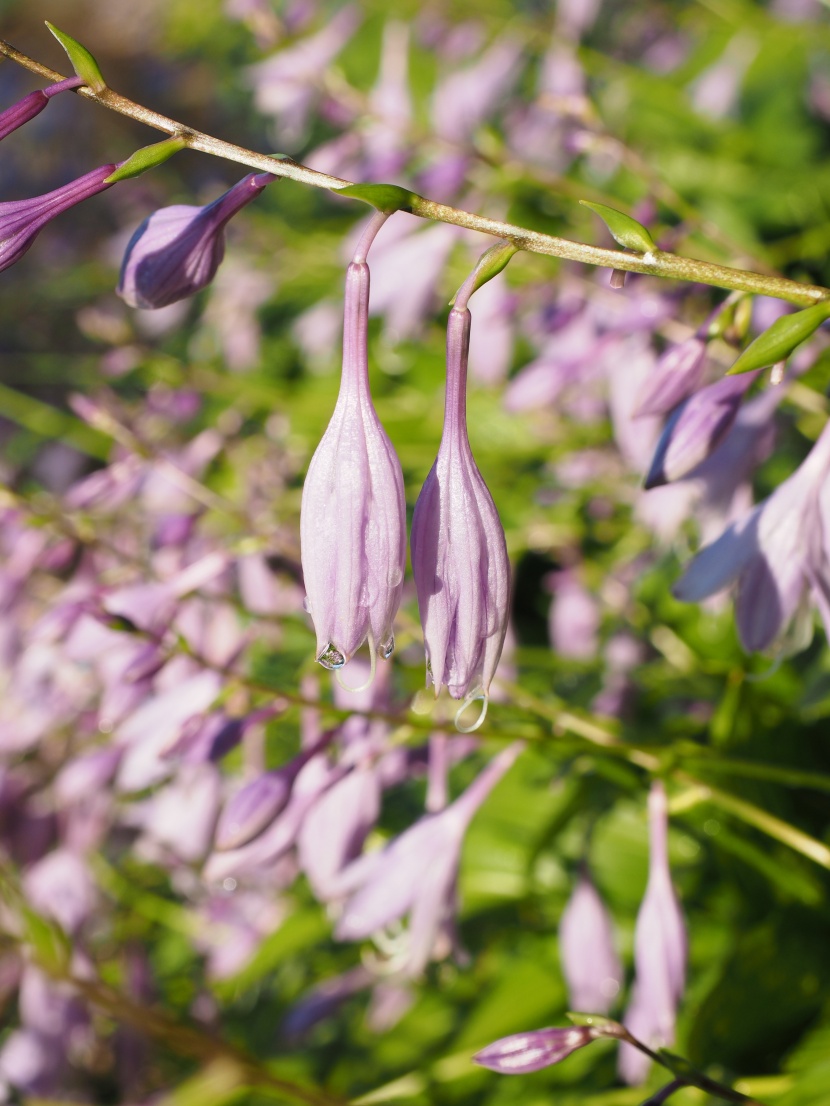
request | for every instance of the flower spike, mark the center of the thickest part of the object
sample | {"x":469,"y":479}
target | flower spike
{"x":353,"y":513}
{"x":459,"y":555}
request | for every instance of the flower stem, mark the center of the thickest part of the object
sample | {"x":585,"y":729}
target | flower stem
{"x":657,"y":263}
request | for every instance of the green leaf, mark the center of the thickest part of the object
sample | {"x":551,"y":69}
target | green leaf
{"x":385,"y":197}
{"x":50,"y":944}
{"x":602,"y":1026}
{"x":627,"y":231}
{"x":148,"y":157}
{"x":83,"y":62}
{"x":490,"y":264}
{"x":779,"y":341}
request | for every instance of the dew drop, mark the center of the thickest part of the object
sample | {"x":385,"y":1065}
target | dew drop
{"x":331,"y":658}
{"x":307,"y":604}
{"x":387,"y":648}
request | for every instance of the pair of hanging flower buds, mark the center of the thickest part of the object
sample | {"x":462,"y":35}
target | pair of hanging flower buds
{"x":353,"y":518}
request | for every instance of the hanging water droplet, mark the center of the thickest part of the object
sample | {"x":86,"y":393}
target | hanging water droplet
{"x":387,"y":648}
{"x":331,"y":658}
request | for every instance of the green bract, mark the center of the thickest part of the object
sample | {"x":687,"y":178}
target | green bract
{"x":148,"y":157}
{"x":83,"y":62}
{"x":627,"y":231}
{"x":385,"y":197}
{"x":490,"y":264}
{"x":779,"y":341}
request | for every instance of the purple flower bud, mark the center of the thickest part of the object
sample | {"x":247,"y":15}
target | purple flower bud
{"x":32,"y":105}
{"x":660,"y":947}
{"x":675,"y":376}
{"x":353,"y":514}
{"x":177,"y":250}
{"x":695,"y":430}
{"x":586,"y":947}
{"x":459,"y":555}
{"x":526,"y":1052}
{"x":22,"y":220}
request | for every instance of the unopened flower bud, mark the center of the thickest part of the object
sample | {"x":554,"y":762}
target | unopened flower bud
{"x":459,"y":555}
{"x":22,"y":220}
{"x":696,"y":429}
{"x":32,"y":105}
{"x":177,"y":250}
{"x":353,"y":514}
{"x":539,"y":1048}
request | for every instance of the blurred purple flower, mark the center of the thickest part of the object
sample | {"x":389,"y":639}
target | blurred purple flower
{"x":385,"y":135}
{"x":573,"y":621}
{"x":416,"y":874}
{"x":660,"y":947}
{"x":255,"y":806}
{"x":177,"y":250}
{"x":696,"y":429}
{"x":539,"y":1048}
{"x":673,"y":379}
{"x":33,"y":105}
{"x":467,"y":97}
{"x":716,"y":90}
{"x":491,"y":340}
{"x":336,"y":826}
{"x":590,"y":963}
{"x":22,"y":220}
{"x":459,"y":555}
{"x":353,"y":514}
{"x":286,"y":84}
{"x":775,"y":553}
{"x":61,"y":887}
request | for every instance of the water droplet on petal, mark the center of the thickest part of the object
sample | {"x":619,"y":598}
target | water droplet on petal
{"x":307,"y":604}
{"x":387,"y":648}
{"x":331,"y":658}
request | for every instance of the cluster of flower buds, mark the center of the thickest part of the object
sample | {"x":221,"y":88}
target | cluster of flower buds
{"x":353,"y":523}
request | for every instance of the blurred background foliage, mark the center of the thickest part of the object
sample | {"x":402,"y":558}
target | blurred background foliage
{"x":738,"y":175}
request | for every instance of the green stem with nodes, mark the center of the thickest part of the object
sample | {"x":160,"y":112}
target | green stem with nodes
{"x":655,"y":263}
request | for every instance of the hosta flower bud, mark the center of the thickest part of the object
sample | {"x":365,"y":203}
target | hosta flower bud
{"x":353,"y":514}
{"x":539,"y":1048}
{"x":32,"y":105}
{"x":177,"y":250}
{"x":695,"y":430}
{"x":22,"y":220}
{"x":459,"y":555}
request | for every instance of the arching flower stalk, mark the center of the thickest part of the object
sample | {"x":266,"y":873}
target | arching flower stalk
{"x":33,"y":105}
{"x":459,"y":555}
{"x":353,"y":513}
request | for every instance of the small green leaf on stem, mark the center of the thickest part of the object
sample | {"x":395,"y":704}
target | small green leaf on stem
{"x":148,"y":157}
{"x":779,"y":341}
{"x":627,"y":231}
{"x":49,"y":943}
{"x":385,"y":197}
{"x":83,"y":62}
{"x":602,"y":1026}
{"x":490,"y":264}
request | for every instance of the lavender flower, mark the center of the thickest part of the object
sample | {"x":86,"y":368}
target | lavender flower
{"x":22,"y":220}
{"x":416,"y":873}
{"x":353,"y":514}
{"x":660,"y":947}
{"x":539,"y":1048}
{"x":177,"y":250}
{"x":590,"y":963}
{"x":775,"y":553}
{"x":675,"y":376}
{"x":696,"y":429}
{"x":459,"y":555}
{"x":33,"y":105}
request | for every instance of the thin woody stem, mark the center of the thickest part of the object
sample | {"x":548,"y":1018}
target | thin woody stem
{"x":658,"y":264}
